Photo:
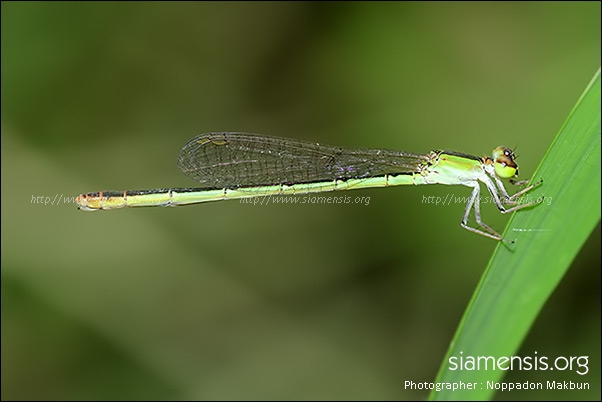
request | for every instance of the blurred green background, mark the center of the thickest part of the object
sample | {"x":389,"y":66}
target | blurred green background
{"x":234,"y":301}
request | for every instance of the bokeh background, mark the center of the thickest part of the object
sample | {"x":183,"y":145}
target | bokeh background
{"x":234,"y":301}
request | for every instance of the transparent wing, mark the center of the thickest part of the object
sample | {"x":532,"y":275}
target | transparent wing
{"x":236,"y":160}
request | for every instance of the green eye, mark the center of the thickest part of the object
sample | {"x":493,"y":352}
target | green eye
{"x":503,"y":163}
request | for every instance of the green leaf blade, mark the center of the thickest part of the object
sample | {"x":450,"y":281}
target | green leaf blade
{"x":521,"y":277}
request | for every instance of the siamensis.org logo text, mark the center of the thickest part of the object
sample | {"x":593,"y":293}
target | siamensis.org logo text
{"x":578,"y":364}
